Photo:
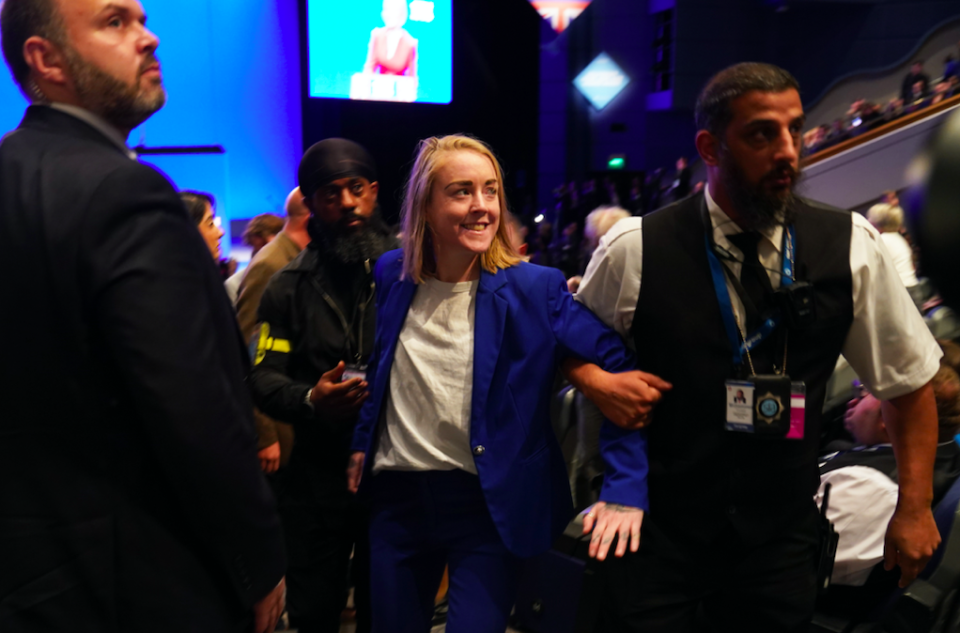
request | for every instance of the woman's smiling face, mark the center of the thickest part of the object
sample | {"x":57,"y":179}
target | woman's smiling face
{"x":464,"y":209}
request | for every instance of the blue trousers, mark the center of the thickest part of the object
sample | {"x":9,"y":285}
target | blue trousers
{"x":421,"y":522}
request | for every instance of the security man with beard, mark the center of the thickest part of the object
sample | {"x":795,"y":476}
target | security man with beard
{"x":317,"y":332}
{"x":748,"y":287}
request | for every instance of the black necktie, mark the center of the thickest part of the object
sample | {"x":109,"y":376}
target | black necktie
{"x":753,"y":278}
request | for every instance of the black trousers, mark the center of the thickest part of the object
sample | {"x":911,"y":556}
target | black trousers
{"x":728,"y":586}
{"x":319,"y":540}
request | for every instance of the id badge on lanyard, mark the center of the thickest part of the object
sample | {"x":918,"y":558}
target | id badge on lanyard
{"x":354,"y":370}
{"x":771,"y":405}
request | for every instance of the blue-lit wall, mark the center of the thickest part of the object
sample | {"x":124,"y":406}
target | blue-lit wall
{"x":232,"y":72}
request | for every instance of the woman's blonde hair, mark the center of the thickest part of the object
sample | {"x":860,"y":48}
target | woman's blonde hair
{"x":419,"y":259}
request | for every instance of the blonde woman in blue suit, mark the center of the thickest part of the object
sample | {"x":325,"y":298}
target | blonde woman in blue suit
{"x":459,"y":461}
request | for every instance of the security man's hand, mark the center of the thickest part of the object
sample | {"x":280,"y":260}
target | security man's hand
{"x":609,"y":520}
{"x":911,"y":539}
{"x":332,"y":398}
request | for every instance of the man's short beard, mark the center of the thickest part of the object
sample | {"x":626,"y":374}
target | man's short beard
{"x":346,"y":246}
{"x":757,"y":209}
{"x":122,"y":105}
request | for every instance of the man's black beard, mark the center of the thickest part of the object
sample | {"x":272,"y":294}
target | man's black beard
{"x":350,"y":246}
{"x":122,"y":105}
{"x":758,"y":209}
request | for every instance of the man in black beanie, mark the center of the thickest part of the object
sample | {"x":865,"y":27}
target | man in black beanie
{"x":317,"y":332}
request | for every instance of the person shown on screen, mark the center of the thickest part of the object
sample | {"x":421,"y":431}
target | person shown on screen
{"x":392,"y":50}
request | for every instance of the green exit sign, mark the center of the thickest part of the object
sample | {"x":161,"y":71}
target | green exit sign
{"x":616,"y":162}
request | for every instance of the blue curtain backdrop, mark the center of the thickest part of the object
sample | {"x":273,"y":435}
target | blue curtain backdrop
{"x":232,"y":72}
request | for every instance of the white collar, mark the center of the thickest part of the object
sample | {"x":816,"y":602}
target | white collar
{"x":724,"y":226}
{"x":99,"y":124}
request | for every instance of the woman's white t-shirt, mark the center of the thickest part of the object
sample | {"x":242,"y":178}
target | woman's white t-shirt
{"x":431,"y":383}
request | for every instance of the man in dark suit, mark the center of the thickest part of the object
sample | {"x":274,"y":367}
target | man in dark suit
{"x":131,"y":494}
{"x":907,"y":92}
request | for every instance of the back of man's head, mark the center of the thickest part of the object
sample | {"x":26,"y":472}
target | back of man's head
{"x":888,"y":218}
{"x":21,"y":20}
{"x":946,"y":390}
{"x":263,"y":226}
{"x":294,"y":206}
{"x":713,"y":112}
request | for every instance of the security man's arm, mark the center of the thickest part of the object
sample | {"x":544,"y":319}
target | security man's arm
{"x":274,"y":391}
{"x":912,"y":535}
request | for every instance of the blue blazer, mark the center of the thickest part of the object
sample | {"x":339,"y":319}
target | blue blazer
{"x":526,"y":323}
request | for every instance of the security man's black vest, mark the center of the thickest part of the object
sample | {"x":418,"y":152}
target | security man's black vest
{"x":702,"y":476}
{"x":946,"y":467}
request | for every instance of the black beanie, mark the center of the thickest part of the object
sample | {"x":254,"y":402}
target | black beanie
{"x":333,"y":159}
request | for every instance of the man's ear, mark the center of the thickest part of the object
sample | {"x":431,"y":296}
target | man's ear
{"x":46,"y":60}
{"x":708,"y":146}
{"x":375,"y":188}
{"x":308,"y":203}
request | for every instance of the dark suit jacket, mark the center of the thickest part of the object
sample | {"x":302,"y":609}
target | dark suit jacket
{"x":130,"y":493}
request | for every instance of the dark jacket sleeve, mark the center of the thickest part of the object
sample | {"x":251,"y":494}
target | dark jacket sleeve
{"x":157,"y":299}
{"x":369,"y":414}
{"x":274,"y":392}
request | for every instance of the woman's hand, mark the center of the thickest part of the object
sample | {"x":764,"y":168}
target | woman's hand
{"x":608,"y":520}
{"x":354,"y":471}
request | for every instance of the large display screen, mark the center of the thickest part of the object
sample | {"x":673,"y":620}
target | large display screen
{"x":381,"y":50}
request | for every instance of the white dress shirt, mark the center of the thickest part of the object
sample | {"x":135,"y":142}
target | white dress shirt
{"x":862,"y":502}
{"x":889,"y":345}
{"x":902,"y":256}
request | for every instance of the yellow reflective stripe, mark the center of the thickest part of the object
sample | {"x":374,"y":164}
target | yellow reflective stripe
{"x":262,"y":343}
{"x":269,"y":344}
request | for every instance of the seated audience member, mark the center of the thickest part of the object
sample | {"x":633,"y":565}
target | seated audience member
{"x":680,"y":188}
{"x":863,"y":494}
{"x":888,"y":219}
{"x":260,"y":231}
{"x":566,"y":251}
{"x":951,"y":68}
{"x":893,"y":109}
{"x":201,"y":207}
{"x":916,"y":76}
{"x":951,"y":355}
{"x":598,"y":223}
{"x":940,"y":92}
{"x":635,"y":197}
{"x":517,"y":233}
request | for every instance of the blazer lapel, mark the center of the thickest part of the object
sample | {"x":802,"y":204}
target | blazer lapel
{"x":395,"y":308}
{"x":490,"y":321}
